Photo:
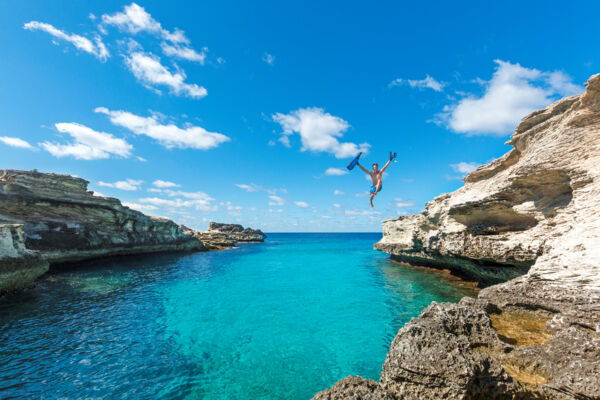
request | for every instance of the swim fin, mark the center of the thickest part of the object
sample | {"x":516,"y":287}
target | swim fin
{"x":354,"y":162}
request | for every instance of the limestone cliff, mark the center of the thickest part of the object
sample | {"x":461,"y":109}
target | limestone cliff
{"x":531,"y":216}
{"x":51,"y":218}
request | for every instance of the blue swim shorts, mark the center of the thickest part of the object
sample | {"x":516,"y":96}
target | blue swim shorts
{"x":374,"y":189}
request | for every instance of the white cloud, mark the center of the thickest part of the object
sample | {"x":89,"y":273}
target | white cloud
{"x":335,"y":171}
{"x":400,"y":203}
{"x":198,"y":204}
{"x":15,"y":142}
{"x":170,"y":135}
{"x":361,"y":212}
{"x":279,"y":210}
{"x":96,"y":48}
{"x":134,"y":19}
{"x":248,"y":188}
{"x":276,"y":201}
{"x":338,"y":192}
{"x":464,"y":167}
{"x":140,"y":207}
{"x":147,"y":68}
{"x":87,"y":144}
{"x":183,"y":52}
{"x":319,"y":131}
{"x":189,"y":195}
{"x":336,"y":205}
{"x":428,"y":82}
{"x":268,"y":58}
{"x":302,"y":204}
{"x":127,"y":184}
{"x":164,"y":184}
{"x":512,"y":93}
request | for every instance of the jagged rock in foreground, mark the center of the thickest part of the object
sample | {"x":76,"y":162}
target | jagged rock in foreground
{"x":50,"y":218}
{"x":532,"y":216}
{"x":355,"y":388}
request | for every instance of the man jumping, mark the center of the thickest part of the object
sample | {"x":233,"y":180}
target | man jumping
{"x":376,"y":177}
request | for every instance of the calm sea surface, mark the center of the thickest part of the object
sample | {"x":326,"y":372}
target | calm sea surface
{"x":279,"y":320}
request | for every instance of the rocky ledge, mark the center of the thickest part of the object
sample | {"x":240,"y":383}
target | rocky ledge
{"x":527,"y":226}
{"x":50,"y":218}
{"x":221,"y":236}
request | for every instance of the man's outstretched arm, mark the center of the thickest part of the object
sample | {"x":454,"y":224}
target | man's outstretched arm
{"x":363,"y":168}
{"x":386,"y":165}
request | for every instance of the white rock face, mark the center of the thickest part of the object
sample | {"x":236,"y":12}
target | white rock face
{"x":533,"y":215}
{"x":537,"y":205}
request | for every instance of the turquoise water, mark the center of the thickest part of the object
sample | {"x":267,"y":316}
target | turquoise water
{"x":279,"y":320}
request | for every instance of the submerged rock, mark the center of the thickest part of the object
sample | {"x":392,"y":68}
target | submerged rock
{"x":532,"y":218}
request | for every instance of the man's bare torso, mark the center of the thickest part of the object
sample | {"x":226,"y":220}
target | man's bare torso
{"x":375,"y":177}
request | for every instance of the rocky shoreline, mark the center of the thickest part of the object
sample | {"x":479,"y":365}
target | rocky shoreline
{"x":47,"y":219}
{"x":527,"y":227}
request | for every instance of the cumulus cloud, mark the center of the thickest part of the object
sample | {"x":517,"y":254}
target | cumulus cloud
{"x":87,"y":143}
{"x":335,"y":171}
{"x":276,"y":201}
{"x":248,"y":188}
{"x":319,"y":132}
{"x":512,"y":93}
{"x":127,"y":184}
{"x":169,"y":135}
{"x":302,"y":204}
{"x":464,"y":167}
{"x":336,"y":205}
{"x":198,"y":204}
{"x":427,"y":82}
{"x":147,"y":69}
{"x":140,"y":207}
{"x":268,"y":58}
{"x":183,"y":52}
{"x":96,"y":48}
{"x":400,"y":203}
{"x":16,"y":142}
{"x":135,"y":19}
{"x":164,"y":184}
{"x":338,"y":192}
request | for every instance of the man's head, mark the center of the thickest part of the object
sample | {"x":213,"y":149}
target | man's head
{"x":375,"y":167}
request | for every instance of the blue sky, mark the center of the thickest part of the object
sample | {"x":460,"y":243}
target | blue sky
{"x":247,"y":111}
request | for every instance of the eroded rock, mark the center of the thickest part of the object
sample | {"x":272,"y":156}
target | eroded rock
{"x":355,"y":388}
{"x":51,"y":218}
{"x":530,"y":218}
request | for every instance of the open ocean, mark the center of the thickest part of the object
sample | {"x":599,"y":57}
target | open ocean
{"x":279,"y":320}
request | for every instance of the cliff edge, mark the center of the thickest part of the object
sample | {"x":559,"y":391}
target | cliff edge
{"x":527,"y":226}
{"x":50,"y":218}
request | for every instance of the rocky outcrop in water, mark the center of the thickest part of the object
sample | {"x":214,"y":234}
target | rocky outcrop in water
{"x":532,"y":216}
{"x":50,"y":218}
{"x":237,"y":232}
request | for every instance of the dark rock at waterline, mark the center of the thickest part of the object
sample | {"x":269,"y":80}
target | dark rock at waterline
{"x":50,"y":218}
